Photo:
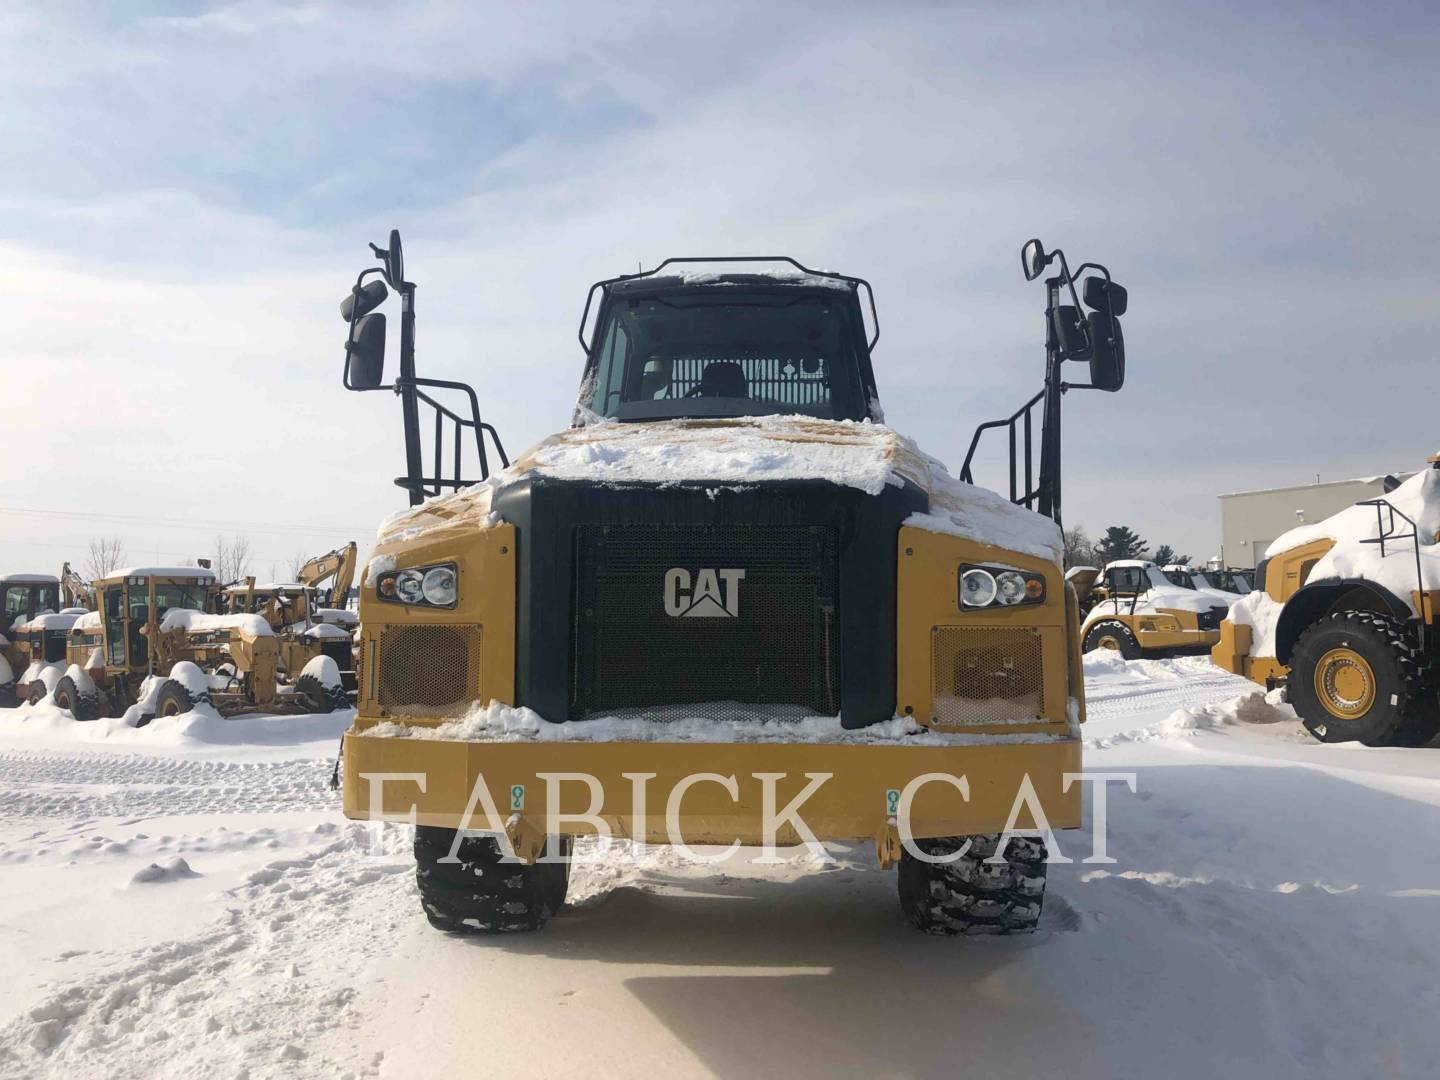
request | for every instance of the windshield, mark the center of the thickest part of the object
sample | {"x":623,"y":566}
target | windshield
{"x":741,"y":354}
{"x":29,"y":600}
{"x":1181,"y":578}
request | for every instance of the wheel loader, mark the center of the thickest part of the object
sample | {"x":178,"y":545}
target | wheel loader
{"x":728,"y":606}
{"x":1345,"y":620}
{"x":1132,"y":607}
{"x":156,"y":647}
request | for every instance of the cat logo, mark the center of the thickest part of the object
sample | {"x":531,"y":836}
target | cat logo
{"x":708,"y":600}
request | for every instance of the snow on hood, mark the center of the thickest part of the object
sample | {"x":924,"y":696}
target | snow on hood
{"x":1419,"y":497}
{"x":187,"y":619}
{"x":91,"y":620}
{"x":50,"y":621}
{"x":743,"y":450}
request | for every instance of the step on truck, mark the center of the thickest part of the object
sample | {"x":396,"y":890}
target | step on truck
{"x":728,"y":605}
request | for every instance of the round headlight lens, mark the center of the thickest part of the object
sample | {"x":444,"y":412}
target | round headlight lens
{"x":977,"y":588}
{"x":1012,"y":587}
{"x":409,"y":586}
{"x":439,"y":586}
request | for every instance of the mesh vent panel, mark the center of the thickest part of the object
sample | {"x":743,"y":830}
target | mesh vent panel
{"x":769,"y":638}
{"x":985,"y":676}
{"x":428,"y":667}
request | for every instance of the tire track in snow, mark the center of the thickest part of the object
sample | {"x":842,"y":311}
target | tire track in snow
{"x":249,"y":995}
{"x":78,"y":786}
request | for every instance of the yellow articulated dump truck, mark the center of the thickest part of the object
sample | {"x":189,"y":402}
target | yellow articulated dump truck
{"x":728,"y":606}
{"x":1136,"y":609}
{"x":1344,"y":619}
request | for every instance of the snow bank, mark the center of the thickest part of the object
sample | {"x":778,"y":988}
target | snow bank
{"x":187,"y":619}
{"x":1262,"y":614}
{"x":1419,"y":497}
{"x":503,"y":723}
{"x":862,"y":455}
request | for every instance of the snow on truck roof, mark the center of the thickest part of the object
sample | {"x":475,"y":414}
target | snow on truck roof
{"x":745,"y":450}
{"x":690,"y":274}
{"x":29,"y":579}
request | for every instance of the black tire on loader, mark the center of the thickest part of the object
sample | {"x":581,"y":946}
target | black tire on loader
{"x":480,"y":894}
{"x":320,"y":698}
{"x":1359,"y":676}
{"x":970,"y":895}
{"x":37,"y":692}
{"x":80,"y":704}
{"x":1115,"y":636}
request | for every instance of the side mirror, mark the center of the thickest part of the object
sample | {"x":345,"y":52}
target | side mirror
{"x":1107,"y":357}
{"x":1033,"y":259}
{"x":365,"y":354}
{"x":394,"y":259}
{"x":1102,"y":295}
{"x":362,"y":301}
{"x":1070,"y":333}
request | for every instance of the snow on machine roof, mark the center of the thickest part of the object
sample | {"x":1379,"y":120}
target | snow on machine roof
{"x":29,"y":579}
{"x":199,"y":573}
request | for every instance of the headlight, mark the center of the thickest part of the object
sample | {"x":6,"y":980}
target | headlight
{"x":426,"y":586}
{"x":977,"y":588}
{"x":438,"y":588}
{"x":982,"y":587}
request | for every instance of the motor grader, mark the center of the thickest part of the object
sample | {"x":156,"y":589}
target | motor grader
{"x":1345,"y":620}
{"x":1132,"y":607}
{"x":728,"y":588}
{"x":22,"y":598}
{"x":304,"y":627}
{"x":155,"y":646}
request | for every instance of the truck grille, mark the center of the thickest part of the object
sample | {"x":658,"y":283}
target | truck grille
{"x":712,"y":638}
{"x":428,"y":668}
{"x":986,"y":675}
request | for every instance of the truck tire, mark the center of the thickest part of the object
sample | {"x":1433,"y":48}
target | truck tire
{"x":1358,"y":676}
{"x":37,"y":693}
{"x":480,"y":894}
{"x":320,"y":698}
{"x":1115,"y":636}
{"x":173,"y":699}
{"x":969,"y":895}
{"x":79,"y":704}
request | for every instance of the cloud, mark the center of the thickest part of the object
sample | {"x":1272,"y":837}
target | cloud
{"x":195,"y":196}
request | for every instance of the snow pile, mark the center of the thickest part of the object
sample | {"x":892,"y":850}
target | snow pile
{"x":979,"y":514}
{"x":326,"y":631}
{"x":176,"y":869}
{"x":323,"y":670}
{"x":1252,"y":708}
{"x":89,"y":621}
{"x":743,"y":450}
{"x":1418,"y":497}
{"x":503,"y":723}
{"x":253,"y":626}
{"x":1262,"y":614}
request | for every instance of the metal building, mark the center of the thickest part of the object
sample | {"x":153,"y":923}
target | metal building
{"x":1251,"y":520}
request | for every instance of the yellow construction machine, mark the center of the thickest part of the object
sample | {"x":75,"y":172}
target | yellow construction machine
{"x":1134,"y":608}
{"x":728,"y":606}
{"x":1345,"y":619}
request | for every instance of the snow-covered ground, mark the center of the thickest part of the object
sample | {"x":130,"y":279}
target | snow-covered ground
{"x":187,"y":900}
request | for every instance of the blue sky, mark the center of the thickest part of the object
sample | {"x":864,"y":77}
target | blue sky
{"x":187,"y":191}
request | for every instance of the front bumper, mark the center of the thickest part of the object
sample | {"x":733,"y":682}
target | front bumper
{"x":538,"y":788}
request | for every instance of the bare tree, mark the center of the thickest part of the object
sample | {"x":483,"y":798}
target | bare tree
{"x":1079,"y":550}
{"x":232,"y":558}
{"x":106,"y":553}
{"x":297,"y":563}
